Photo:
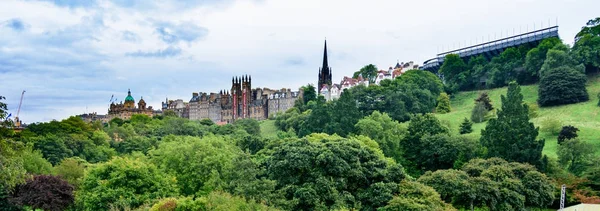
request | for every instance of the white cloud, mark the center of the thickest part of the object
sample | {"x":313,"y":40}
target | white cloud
{"x":71,"y":56}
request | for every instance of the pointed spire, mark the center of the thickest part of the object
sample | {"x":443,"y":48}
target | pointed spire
{"x":325,"y":62}
{"x":232,"y":79}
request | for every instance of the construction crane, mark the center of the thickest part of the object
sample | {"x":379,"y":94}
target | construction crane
{"x":17,"y":121}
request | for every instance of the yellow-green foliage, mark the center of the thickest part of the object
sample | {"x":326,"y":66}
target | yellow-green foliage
{"x":215,"y":201}
{"x":585,"y":116}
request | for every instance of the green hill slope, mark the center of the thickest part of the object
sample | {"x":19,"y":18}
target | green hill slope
{"x":584,"y":116}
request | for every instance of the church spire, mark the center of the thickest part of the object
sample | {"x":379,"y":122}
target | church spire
{"x":325,"y":62}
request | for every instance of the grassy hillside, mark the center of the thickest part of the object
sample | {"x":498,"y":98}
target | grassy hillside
{"x":582,"y":115}
{"x":268,"y":129}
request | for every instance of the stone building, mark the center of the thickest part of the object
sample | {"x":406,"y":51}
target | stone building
{"x":240,"y":102}
{"x":92,"y":117}
{"x":181,"y":108}
{"x":281,"y":101}
{"x":125,"y":110}
{"x":205,"y":106}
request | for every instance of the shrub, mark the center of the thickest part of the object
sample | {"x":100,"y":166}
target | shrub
{"x":552,"y":126}
{"x":562,"y":85}
{"x":533,"y":110}
{"x":44,"y":192}
{"x":485,"y":99}
{"x":479,"y":112}
{"x":566,"y":133}
{"x":466,"y":127}
{"x":443,"y":104}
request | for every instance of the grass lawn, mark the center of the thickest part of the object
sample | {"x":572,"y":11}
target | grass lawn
{"x":268,"y":129}
{"x":582,"y":115}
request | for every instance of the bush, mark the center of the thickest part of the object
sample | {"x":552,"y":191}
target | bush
{"x":562,"y":85}
{"x":533,"y":110}
{"x":443,"y":104}
{"x":485,"y":99}
{"x":552,"y":126}
{"x":566,"y":133}
{"x":44,"y":192}
{"x":466,"y":127}
{"x":479,"y":113}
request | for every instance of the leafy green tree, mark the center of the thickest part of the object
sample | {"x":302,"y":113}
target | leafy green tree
{"x":207,"y":122}
{"x":423,"y":80}
{"x":332,"y":172}
{"x":34,"y":162}
{"x":318,"y":119}
{"x":385,"y":131}
{"x":455,"y":71}
{"x":198,"y":163}
{"x":368,"y":72}
{"x":477,"y":68}
{"x":535,"y":58}
{"x":71,"y":170}
{"x":419,"y":126}
{"x":249,"y":125}
{"x":5,"y":124}
{"x":538,"y":191}
{"x":511,"y":136}
{"x":566,"y":133}
{"x":169,"y":113}
{"x":466,"y":127}
{"x":562,"y":85}
{"x":448,"y":183}
{"x":123,"y":182}
{"x":246,"y":178}
{"x":44,"y":192}
{"x":416,"y":196}
{"x":443,"y":104}
{"x":494,"y":183}
{"x":575,"y":155}
{"x":592,"y":28}
{"x":585,"y":51}
{"x":435,"y":152}
{"x":309,"y":93}
{"x":12,"y":172}
{"x":344,"y":115}
{"x":52,"y":147}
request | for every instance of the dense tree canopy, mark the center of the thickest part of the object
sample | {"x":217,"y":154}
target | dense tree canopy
{"x":124,"y":183}
{"x":368,"y":72}
{"x":332,"y":173}
{"x":493,"y":183}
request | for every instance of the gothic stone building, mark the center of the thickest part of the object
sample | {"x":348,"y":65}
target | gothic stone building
{"x":240,"y":102}
{"x":125,"y":110}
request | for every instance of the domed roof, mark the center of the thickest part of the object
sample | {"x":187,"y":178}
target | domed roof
{"x":129,"y":97}
{"x":142,"y":100}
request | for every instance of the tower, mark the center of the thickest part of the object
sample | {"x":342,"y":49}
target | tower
{"x":129,"y":101}
{"x":324,"y":72}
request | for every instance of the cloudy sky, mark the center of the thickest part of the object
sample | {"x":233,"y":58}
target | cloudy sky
{"x":71,"y":55}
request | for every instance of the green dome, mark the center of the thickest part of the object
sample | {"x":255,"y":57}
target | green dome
{"x":129,"y":97}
